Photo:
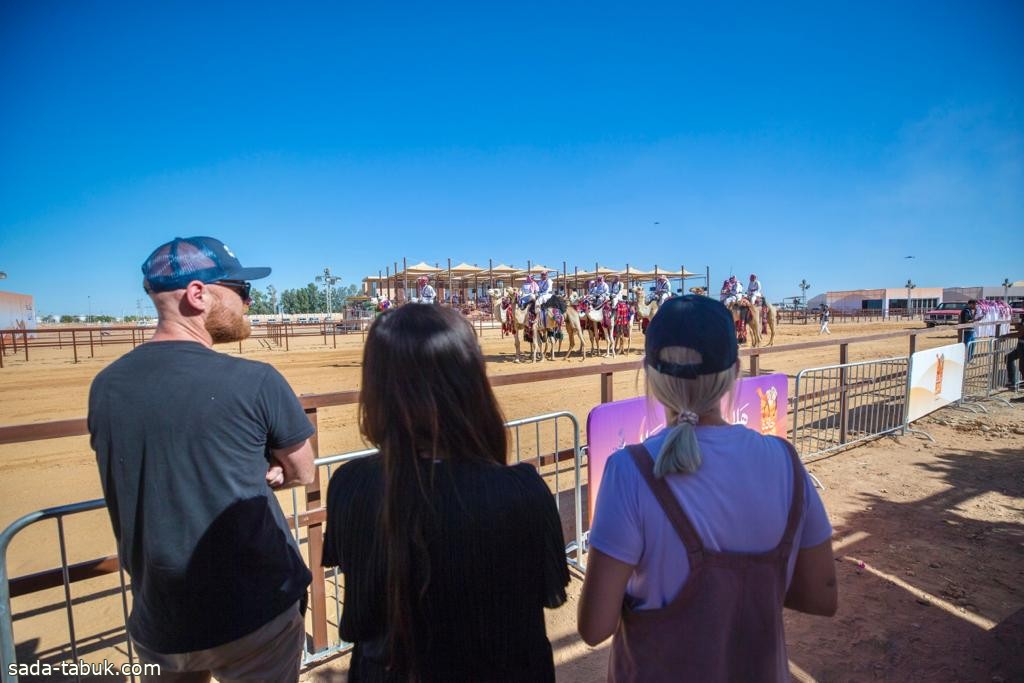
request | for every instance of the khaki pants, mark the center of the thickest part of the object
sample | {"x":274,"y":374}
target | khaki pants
{"x":271,"y":653}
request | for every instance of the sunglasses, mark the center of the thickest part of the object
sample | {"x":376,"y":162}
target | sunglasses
{"x":239,"y":287}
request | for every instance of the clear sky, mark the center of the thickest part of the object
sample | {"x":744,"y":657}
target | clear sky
{"x":824,"y":141}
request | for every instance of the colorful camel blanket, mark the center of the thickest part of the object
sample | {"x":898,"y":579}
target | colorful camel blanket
{"x":622,"y":315}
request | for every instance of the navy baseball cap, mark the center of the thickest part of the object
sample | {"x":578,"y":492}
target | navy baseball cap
{"x":184,"y":259}
{"x":694,"y":322}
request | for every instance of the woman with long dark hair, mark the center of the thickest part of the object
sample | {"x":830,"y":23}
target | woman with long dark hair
{"x":449,"y":555}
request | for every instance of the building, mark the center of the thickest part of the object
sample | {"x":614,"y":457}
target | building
{"x":884,"y":300}
{"x":922,"y":298}
{"x":17,"y":311}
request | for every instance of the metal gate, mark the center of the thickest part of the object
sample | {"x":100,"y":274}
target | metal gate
{"x":839,"y":405}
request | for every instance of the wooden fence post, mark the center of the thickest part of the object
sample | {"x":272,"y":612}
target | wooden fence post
{"x":92,"y":350}
{"x":315,"y":544}
{"x":74,"y":345}
{"x":606,"y":387}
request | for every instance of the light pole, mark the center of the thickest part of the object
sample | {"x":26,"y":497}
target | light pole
{"x":910,"y":287}
{"x":329,"y":281}
{"x":1006,"y":290}
{"x":804,"y":286}
{"x":88,"y":318}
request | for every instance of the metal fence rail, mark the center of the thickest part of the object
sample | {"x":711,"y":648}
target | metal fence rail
{"x":551,"y":442}
{"x":838,"y":405}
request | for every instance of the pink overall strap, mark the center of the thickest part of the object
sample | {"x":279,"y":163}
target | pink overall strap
{"x":667,"y":500}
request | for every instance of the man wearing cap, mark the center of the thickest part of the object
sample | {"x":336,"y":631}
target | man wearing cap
{"x":527,"y":291}
{"x":191,"y":445}
{"x":427,"y":293}
{"x":662,"y":290}
{"x":599,"y":292}
{"x":754,"y":291}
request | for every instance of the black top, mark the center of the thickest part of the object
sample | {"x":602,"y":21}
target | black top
{"x":497,"y":557}
{"x":181,"y":435}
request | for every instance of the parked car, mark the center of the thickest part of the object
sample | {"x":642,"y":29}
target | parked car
{"x":947,"y":313}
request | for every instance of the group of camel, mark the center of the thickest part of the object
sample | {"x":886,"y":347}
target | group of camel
{"x":544,"y":329}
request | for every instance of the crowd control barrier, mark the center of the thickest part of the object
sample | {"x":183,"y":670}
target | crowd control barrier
{"x":550,"y":442}
{"x":839,"y":405}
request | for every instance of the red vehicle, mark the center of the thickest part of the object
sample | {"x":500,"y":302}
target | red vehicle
{"x":945,"y":314}
{"x":949,"y":313}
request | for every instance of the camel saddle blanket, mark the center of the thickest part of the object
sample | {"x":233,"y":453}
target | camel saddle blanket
{"x":622,"y":314}
{"x":509,"y":326}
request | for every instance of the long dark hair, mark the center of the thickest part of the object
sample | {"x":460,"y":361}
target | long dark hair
{"x":424,"y":395}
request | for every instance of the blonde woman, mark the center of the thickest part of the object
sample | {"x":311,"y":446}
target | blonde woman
{"x":702,"y":534}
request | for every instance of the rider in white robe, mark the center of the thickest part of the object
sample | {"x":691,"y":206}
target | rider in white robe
{"x":754,"y":291}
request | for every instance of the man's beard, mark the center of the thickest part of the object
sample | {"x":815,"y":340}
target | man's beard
{"x":225,"y":326}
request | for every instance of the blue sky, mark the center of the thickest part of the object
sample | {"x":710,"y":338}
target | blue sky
{"x":823,"y":141}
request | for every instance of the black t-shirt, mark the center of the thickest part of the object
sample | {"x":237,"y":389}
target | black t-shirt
{"x":182,"y":435}
{"x":497,"y":558}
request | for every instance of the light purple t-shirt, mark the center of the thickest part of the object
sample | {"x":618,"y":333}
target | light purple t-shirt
{"x":738,"y":501}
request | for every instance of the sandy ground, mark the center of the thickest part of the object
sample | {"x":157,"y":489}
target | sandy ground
{"x":938,"y":527}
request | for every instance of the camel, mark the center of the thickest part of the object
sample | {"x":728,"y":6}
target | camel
{"x":573,"y":326}
{"x":518,"y":320}
{"x":546,"y":328}
{"x":752,"y":318}
{"x":594,"y":324}
{"x":644,"y":310}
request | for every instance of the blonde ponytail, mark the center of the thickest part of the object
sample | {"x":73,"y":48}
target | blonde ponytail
{"x":684,"y":400}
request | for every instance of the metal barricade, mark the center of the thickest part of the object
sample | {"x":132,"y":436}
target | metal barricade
{"x":548,"y":441}
{"x":1002,"y":378}
{"x":839,"y":405}
{"x":978,"y":369}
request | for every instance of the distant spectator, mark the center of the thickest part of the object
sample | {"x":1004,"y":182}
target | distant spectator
{"x":703,"y":533}
{"x":449,"y":556}
{"x":1017,"y":354}
{"x":823,"y":317}
{"x":967,"y":315}
{"x":190,"y":445}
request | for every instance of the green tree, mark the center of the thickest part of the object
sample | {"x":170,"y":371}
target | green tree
{"x":68,"y":319}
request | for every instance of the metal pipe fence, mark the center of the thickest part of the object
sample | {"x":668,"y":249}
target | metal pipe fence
{"x":546,"y":441}
{"x":839,"y":405}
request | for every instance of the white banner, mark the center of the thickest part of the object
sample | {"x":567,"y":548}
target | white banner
{"x":936,"y":379}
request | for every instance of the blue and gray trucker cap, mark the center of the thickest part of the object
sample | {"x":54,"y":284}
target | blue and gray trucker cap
{"x":184,"y":259}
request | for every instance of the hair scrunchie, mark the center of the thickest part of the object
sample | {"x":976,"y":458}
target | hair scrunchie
{"x":688,"y":417}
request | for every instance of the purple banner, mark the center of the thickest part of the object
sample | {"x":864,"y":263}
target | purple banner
{"x":759,"y":403}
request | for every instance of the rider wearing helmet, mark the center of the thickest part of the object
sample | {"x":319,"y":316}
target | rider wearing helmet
{"x":615,"y":290}
{"x":544,"y":290}
{"x":754,"y":291}
{"x":662,"y":290}
{"x":427,"y":293}
{"x":527,"y":291}
{"x":599,"y":292}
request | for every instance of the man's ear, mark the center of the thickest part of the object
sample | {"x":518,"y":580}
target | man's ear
{"x":198,"y":296}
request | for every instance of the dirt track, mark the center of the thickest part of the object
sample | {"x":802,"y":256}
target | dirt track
{"x":900,"y":506}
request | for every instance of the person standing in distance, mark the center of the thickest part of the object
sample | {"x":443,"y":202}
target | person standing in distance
{"x":190,"y":445}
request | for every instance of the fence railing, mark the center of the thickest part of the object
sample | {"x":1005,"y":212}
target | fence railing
{"x":840,"y":405}
{"x":537,"y":440}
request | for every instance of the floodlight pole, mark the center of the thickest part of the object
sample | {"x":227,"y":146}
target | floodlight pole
{"x":1006,"y":290}
{"x":910,"y":287}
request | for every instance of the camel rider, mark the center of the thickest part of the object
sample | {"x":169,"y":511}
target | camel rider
{"x":528,"y":291}
{"x":616,"y":290}
{"x":427,"y":293}
{"x":544,"y":290}
{"x":754,"y":291}
{"x":734,"y":291}
{"x":662,"y":290}
{"x":725,"y":292}
{"x":599,"y":292}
